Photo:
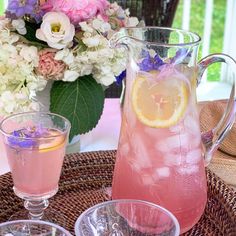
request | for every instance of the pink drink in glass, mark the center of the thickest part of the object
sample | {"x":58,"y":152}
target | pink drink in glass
{"x":36,"y":170}
{"x":162,"y":165}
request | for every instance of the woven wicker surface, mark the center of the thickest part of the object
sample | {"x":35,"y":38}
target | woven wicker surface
{"x":84,"y":178}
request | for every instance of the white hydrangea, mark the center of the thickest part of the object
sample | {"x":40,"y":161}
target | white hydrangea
{"x":19,"y":25}
{"x":18,"y":80}
{"x":97,"y":58}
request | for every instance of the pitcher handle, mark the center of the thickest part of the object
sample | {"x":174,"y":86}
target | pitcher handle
{"x":212,"y":138}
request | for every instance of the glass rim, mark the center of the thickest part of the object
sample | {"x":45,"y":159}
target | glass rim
{"x":186,"y":32}
{"x":143,"y":202}
{"x":32,"y":113}
{"x":40,"y":222}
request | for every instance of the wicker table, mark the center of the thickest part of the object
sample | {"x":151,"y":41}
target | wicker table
{"x":82,"y":182}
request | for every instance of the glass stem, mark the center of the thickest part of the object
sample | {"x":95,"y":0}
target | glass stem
{"x":36,"y":208}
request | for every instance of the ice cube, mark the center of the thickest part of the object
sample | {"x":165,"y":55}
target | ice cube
{"x":171,"y":159}
{"x":163,"y":172}
{"x":188,"y":170}
{"x":124,"y":149}
{"x":194,"y":156}
{"x":154,"y":133}
{"x":173,"y":142}
{"x":135,"y":167}
{"x":177,"y":128}
{"x":147,"y":180}
{"x":140,"y":152}
{"x":195,"y":140}
{"x":192,"y":125}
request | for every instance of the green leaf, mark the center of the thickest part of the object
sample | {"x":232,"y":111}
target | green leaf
{"x":31,"y":34}
{"x":81,"y":102}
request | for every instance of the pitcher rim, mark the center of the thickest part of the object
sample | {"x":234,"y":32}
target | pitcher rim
{"x":194,"y":43}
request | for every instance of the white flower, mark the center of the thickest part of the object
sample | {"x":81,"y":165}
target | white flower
{"x":8,"y":101}
{"x":56,"y":30}
{"x":101,"y":26}
{"x":65,"y":55}
{"x":3,"y":23}
{"x":19,"y":25}
{"x":30,"y":54}
{"x":70,"y":76}
{"x":131,"y":22}
{"x":85,"y":27}
{"x":92,"y":41}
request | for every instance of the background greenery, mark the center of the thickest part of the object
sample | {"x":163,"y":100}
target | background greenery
{"x":197,"y":25}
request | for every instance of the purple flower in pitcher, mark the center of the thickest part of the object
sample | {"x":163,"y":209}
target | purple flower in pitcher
{"x":182,"y":55}
{"x":151,"y":63}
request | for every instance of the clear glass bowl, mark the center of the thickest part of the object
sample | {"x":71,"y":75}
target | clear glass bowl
{"x":31,"y":228}
{"x":126,"y":218}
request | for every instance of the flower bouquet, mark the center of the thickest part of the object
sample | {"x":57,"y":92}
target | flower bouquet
{"x":64,"y":43}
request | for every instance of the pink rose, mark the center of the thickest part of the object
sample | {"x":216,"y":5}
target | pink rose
{"x":49,"y":67}
{"x":77,"y":10}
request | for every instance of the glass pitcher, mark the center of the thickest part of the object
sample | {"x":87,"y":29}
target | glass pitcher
{"x":162,"y":154}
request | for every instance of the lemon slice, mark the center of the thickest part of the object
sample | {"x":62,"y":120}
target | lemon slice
{"x":159,"y":102}
{"x":52,"y":144}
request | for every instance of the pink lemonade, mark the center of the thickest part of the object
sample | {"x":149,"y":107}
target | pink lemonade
{"x":163,"y":165}
{"x":36,"y":170}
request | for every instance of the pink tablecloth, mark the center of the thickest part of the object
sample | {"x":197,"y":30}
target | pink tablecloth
{"x":105,"y":135}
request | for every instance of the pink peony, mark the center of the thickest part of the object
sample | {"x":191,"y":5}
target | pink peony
{"x":49,"y":67}
{"x":77,"y":10}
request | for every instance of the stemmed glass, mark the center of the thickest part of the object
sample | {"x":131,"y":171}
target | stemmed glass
{"x":35,"y":145}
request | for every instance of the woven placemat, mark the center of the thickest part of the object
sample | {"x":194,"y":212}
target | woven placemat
{"x":82,"y":184}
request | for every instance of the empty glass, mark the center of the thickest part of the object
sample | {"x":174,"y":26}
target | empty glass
{"x":126,"y":217}
{"x":31,"y":227}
